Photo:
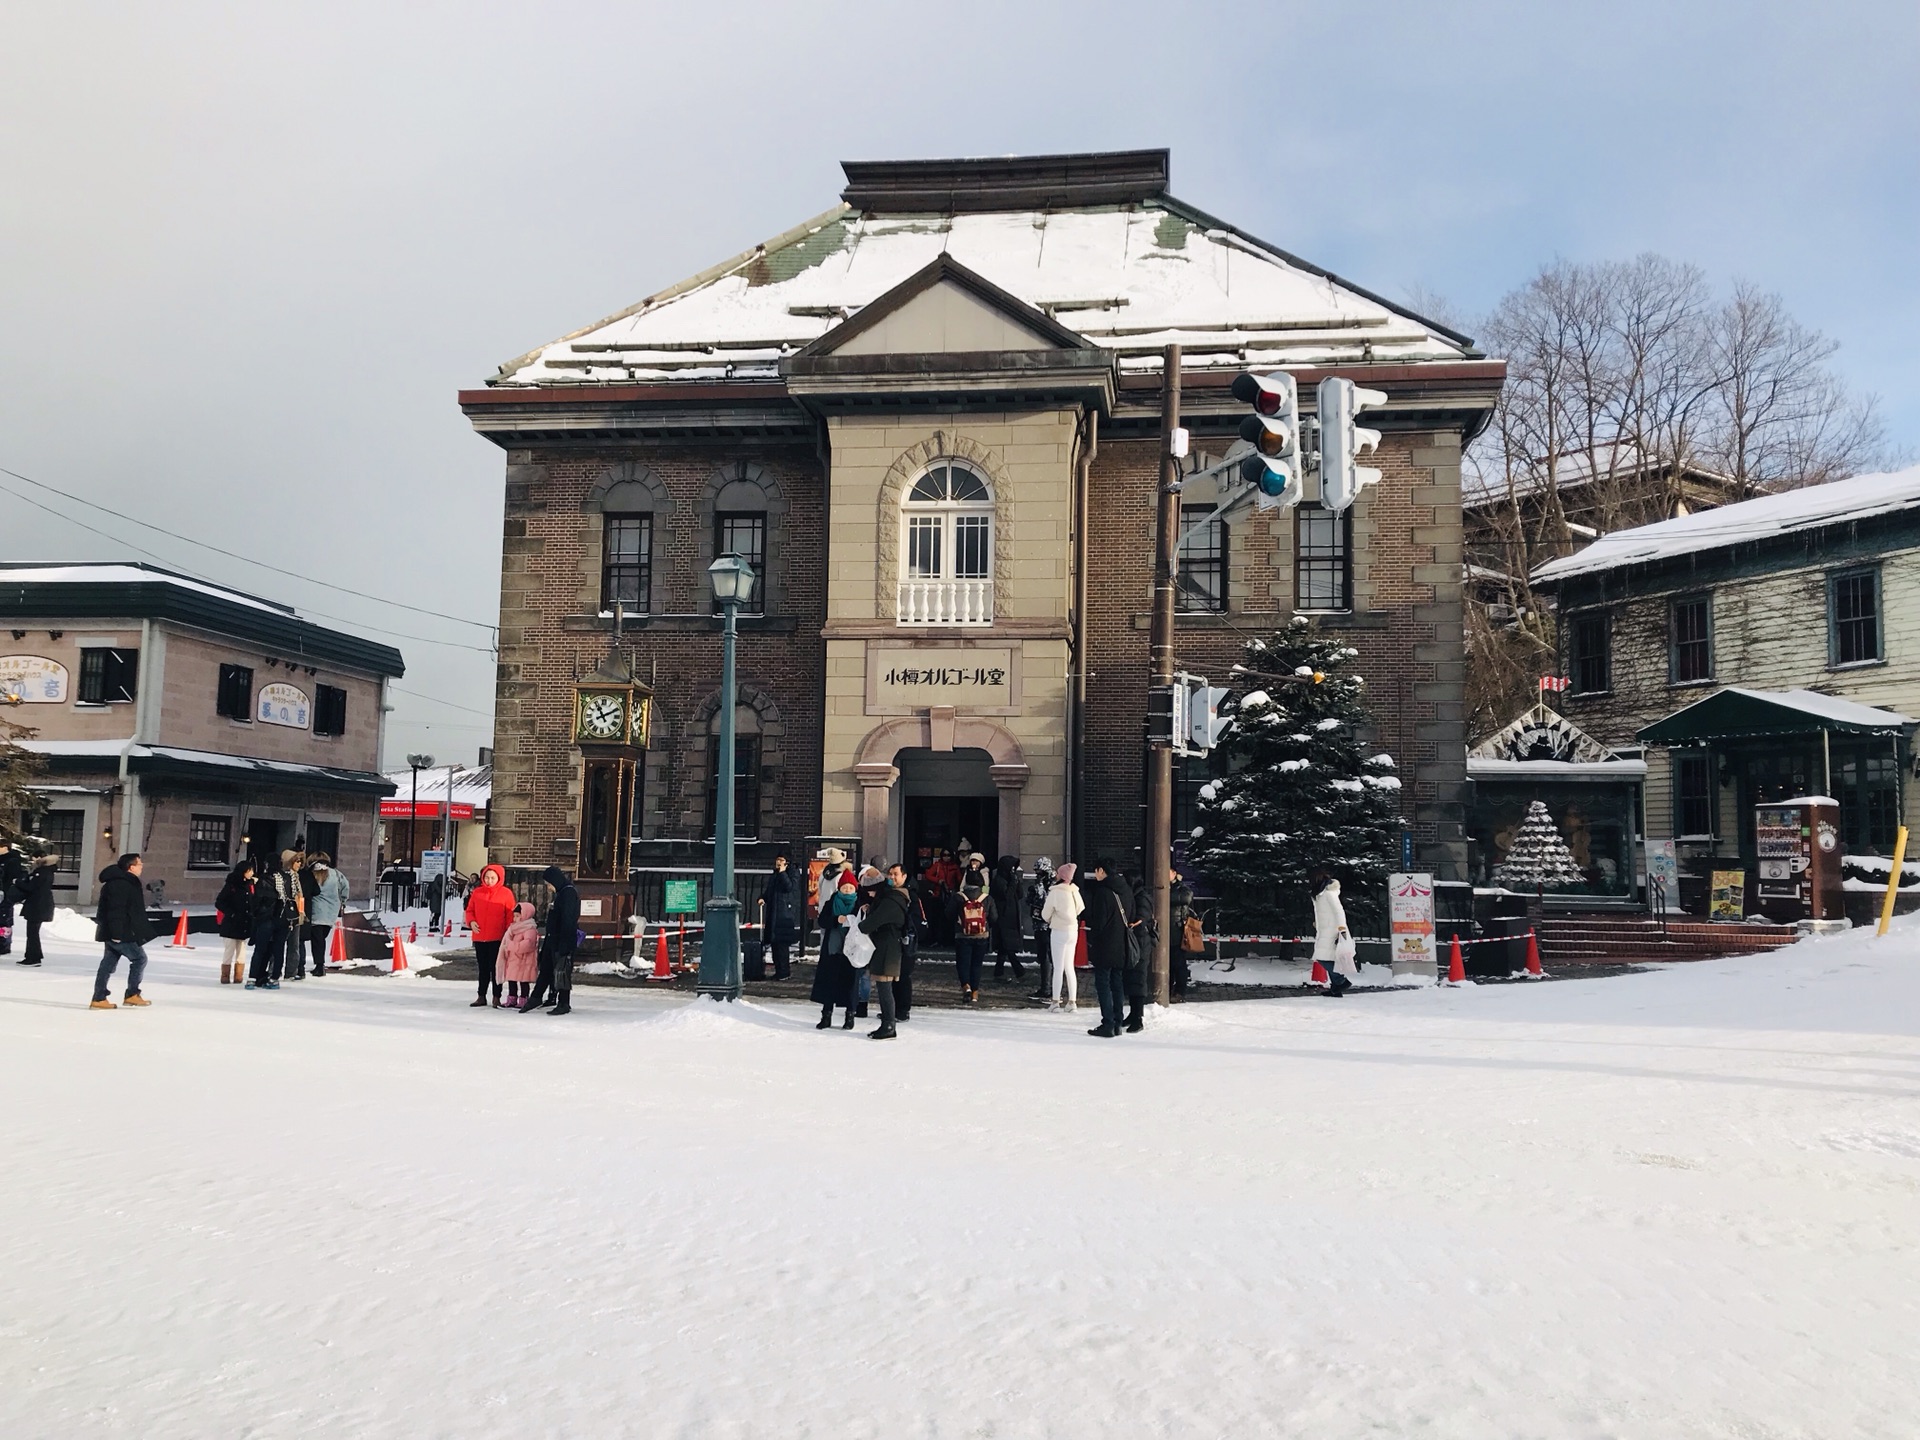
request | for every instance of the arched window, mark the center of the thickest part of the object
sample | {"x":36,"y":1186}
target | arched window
{"x":946,"y":554}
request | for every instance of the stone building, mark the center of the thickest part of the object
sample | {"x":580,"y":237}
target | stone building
{"x":929,"y":416}
{"x":192,"y":723}
{"x":1760,"y":651}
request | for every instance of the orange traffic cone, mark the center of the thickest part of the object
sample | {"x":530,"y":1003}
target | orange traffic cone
{"x":1319,"y":976}
{"x":1533,"y":958}
{"x":399,"y":953}
{"x":337,"y":949}
{"x":662,"y":967}
{"x":413,"y":932}
{"x":448,"y":933}
{"x":179,"y":941}
{"x":1456,"y":967}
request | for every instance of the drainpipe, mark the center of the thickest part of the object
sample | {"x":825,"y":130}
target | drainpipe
{"x":1076,"y":777}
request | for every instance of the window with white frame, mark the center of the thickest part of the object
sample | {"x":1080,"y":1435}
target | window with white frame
{"x":946,"y":550}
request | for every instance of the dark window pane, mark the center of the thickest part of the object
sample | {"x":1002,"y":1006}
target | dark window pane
{"x":1590,"y":652}
{"x":1693,"y":792}
{"x":744,"y":533}
{"x":1692,"y":640}
{"x":1321,"y":555}
{"x":1855,"y":608}
{"x":63,"y":830}
{"x":626,"y":563}
{"x":323,"y":838}
{"x":235,"y":696}
{"x":1202,"y":577}
{"x":208,"y":837}
{"x":329,"y":710}
{"x":746,"y":785}
{"x":108,"y":676}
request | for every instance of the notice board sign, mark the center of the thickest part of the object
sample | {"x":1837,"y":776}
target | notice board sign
{"x":1663,"y":876}
{"x":1410,"y":913}
{"x":683,"y":897}
{"x":1728,"y":898}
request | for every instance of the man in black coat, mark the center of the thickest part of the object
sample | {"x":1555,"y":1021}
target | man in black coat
{"x":1109,"y":915}
{"x":13,"y":873}
{"x":885,"y":921}
{"x":780,"y":913}
{"x":121,"y":923}
{"x":558,"y":945}
{"x":36,"y":905}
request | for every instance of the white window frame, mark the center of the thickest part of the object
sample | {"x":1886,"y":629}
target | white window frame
{"x":944,"y":597}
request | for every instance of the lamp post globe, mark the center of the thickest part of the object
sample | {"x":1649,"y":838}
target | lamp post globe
{"x":732,"y":579}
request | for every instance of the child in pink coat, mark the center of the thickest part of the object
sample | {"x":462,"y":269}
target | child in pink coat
{"x":519,"y":962}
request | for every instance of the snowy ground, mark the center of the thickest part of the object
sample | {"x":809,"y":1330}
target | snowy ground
{"x":1675,"y":1204}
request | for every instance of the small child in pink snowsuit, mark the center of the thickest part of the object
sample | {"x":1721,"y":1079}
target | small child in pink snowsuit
{"x":519,"y":962}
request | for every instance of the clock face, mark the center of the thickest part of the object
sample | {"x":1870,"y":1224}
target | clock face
{"x":602,"y":717}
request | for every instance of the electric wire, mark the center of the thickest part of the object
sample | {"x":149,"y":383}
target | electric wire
{"x":235,"y":555}
{"x":205,"y":580}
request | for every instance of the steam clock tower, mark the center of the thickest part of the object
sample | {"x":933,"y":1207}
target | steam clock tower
{"x":612,"y":717}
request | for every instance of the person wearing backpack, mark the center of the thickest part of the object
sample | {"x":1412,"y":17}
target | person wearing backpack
{"x":974,"y":927}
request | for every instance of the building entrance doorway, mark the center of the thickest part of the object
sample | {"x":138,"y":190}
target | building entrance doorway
{"x":263,"y":844}
{"x":945,"y":797}
{"x":941,"y":822}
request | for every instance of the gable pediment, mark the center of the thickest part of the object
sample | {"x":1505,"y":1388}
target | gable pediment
{"x":946,"y":309}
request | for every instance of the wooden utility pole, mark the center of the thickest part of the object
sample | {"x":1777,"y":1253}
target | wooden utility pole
{"x":1160,"y":696}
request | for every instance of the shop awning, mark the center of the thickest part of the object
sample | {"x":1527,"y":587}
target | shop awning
{"x":1734,"y":714}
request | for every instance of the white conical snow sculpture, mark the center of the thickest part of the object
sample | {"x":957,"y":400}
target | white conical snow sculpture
{"x":1538,"y":859}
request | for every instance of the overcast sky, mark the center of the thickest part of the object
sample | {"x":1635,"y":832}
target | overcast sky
{"x":249,"y":253}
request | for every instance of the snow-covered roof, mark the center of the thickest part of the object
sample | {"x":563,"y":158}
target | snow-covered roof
{"x":1131,"y":277}
{"x":471,"y":786}
{"x":143,"y":757}
{"x":1481,"y":482}
{"x":1817,"y":505}
{"x":111,"y":573}
{"x":1827,"y":707}
{"x":1481,"y":768}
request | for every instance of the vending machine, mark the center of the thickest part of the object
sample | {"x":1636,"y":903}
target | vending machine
{"x":1799,"y":854}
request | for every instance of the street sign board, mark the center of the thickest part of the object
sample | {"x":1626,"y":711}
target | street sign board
{"x":683,"y":897}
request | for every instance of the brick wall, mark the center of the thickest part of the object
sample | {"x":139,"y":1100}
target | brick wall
{"x":551,"y":632}
{"x":1406,"y":623}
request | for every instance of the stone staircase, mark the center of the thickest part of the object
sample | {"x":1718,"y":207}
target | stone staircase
{"x":1604,"y":939}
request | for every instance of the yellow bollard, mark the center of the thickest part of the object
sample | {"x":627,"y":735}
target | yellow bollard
{"x":1893,"y":880}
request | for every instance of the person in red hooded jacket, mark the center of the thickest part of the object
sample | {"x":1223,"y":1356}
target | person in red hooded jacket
{"x":489,"y":913}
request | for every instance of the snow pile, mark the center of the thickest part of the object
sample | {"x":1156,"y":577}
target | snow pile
{"x":69,"y":925}
{"x":1493,"y":1211}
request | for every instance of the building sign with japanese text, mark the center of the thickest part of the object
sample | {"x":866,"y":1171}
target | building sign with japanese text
{"x":965,"y":679}
{"x":283,"y":704}
{"x":32,"y":680}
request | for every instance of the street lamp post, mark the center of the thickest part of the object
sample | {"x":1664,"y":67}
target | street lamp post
{"x":415,"y":763}
{"x":720,"y":941}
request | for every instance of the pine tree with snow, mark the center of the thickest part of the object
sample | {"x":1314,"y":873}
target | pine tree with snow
{"x":1297,"y":789}
{"x":1538,"y":859}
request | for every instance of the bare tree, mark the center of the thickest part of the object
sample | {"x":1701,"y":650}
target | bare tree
{"x":1631,"y":390}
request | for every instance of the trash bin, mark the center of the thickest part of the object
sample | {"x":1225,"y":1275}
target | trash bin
{"x":1500,"y":959}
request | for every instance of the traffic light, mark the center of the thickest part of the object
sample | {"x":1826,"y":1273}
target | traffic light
{"x":1274,"y":432}
{"x":1341,"y":478}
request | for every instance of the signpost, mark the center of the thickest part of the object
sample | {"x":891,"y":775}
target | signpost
{"x":683,"y":899}
{"x":434,"y":862}
{"x":1410,"y":913}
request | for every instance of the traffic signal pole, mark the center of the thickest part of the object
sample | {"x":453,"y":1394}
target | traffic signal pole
{"x":1160,"y":745}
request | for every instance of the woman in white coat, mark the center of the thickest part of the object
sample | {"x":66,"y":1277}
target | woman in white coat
{"x":1061,"y":912}
{"x":1332,"y":941}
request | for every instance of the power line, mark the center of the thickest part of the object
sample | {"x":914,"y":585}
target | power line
{"x":205,"y":580}
{"x":418,"y":695}
{"x":235,"y":555}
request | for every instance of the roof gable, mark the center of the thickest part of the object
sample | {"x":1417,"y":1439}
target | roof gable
{"x":947,"y":309}
{"x":1542,"y":734}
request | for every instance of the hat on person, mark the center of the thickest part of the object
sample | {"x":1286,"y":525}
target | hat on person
{"x":833,"y":856}
{"x":1043,"y":863}
{"x":286,"y":856}
{"x":1066,"y":872}
{"x":870,"y":876}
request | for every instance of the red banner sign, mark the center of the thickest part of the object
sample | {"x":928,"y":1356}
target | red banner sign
{"x":425,"y":810}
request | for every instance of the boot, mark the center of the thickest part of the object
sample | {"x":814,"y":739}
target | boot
{"x":563,"y":1008}
{"x":826,"y":1017}
{"x":1338,"y":984}
{"x":478,"y":1004}
{"x":861,"y":1010}
{"x":885,"y":1032}
{"x":135,"y":999}
{"x":849,"y":1023}
{"x":103,"y":1005}
{"x":1136,"y":1020}
{"x":1104,"y":1031}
